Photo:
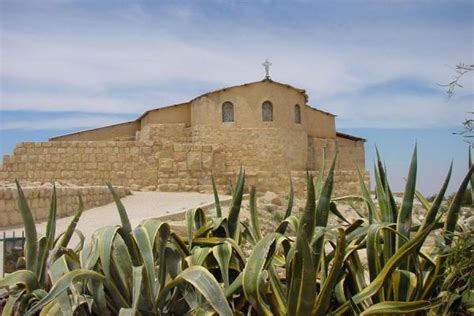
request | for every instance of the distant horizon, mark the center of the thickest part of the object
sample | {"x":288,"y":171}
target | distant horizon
{"x":377,"y":65}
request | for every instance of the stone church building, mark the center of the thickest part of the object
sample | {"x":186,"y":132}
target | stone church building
{"x":265,"y":126}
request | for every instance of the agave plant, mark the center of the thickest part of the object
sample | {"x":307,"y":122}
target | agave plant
{"x":32,"y":280}
{"x":324,"y":273}
{"x":305,"y":266}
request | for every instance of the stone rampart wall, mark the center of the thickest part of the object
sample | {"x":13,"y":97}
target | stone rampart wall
{"x":39,"y":199}
{"x":258,"y":149}
{"x":350,"y":154}
{"x":92,"y":162}
{"x":171,"y":157}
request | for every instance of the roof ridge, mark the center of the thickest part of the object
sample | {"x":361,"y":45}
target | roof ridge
{"x":251,"y":83}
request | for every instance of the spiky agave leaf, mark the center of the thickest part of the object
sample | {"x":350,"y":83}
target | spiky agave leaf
{"x":324,"y":297}
{"x":302,"y":279}
{"x":394,"y":308}
{"x":234,"y":210}
{"x":46,"y":243}
{"x":195,"y":220}
{"x":105,"y":242}
{"x":322,"y":209}
{"x":252,"y":275}
{"x":66,"y":237}
{"x":322,"y":215}
{"x":205,"y":283}
{"x":284,"y":224}
{"x":63,"y":284}
{"x":26,"y":278}
{"x":390,"y":266}
{"x":51,"y":226}
{"x":390,"y":209}
{"x":455,"y":207}
{"x":404,"y":219}
{"x":223,"y":255}
{"x":308,"y":220}
{"x":368,"y":198}
{"x":433,"y":210}
{"x":127,"y":227}
{"x":137,"y":286}
{"x":216,"y":197}
{"x":435,"y":276}
{"x":256,"y":230}
{"x":31,"y":236}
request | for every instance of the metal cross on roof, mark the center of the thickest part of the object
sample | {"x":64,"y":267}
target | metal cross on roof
{"x":267,"y":65}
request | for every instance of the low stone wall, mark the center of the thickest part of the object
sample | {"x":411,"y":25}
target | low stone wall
{"x":39,"y":198}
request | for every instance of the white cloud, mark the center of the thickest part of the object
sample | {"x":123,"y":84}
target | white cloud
{"x":398,"y":111}
{"x":58,"y":102}
{"x":80,"y":122}
{"x":107,"y":56}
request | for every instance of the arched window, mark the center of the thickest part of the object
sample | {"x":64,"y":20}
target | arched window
{"x":267,"y":111}
{"x":227,"y":112}
{"x":297,"y":114}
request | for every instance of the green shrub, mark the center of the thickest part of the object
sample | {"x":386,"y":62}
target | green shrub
{"x":311,"y":269}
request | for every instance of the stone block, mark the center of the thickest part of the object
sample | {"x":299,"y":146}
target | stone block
{"x":14,"y":218}
{"x":173,"y":187}
{"x":135,"y":187}
{"x":207,"y":160}
{"x":149,"y":188}
{"x":166,"y":164}
{"x":180,"y":155}
{"x":196,"y":147}
{"x":178,"y":147}
{"x":165,"y":153}
{"x":181,"y":166}
{"x":207,"y":148}
{"x":134,"y":151}
{"x":194,"y":160}
{"x":219,"y":161}
{"x":163,"y":187}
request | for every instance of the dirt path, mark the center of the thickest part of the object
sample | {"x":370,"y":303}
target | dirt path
{"x":139,"y":206}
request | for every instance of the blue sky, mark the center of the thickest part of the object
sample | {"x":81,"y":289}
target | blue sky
{"x":71,"y":65}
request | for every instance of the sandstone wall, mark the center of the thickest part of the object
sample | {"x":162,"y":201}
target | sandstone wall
{"x":179,"y":113}
{"x":93,"y":162}
{"x":39,"y":199}
{"x":258,"y":149}
{"x":165,"y":133}
{"x":317,"y":123}
{"x":162,"y":159}
{"x":247,"y":101}
{"x":172,"y":157}
{"x":112,"y":132}
{"x":351,"y":154}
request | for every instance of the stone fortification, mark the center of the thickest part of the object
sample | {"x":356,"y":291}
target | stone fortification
{"x":266,"y":127}
{"x":170,"y":159}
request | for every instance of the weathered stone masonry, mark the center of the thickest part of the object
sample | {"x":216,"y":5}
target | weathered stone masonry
{"x":177,"y":148}
{"x":163,"y":163}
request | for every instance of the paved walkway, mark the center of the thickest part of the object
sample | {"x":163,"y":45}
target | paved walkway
{"x":139,"y":206}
